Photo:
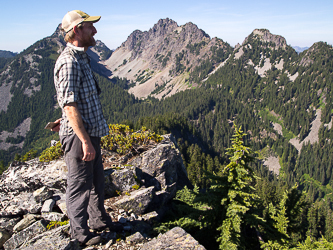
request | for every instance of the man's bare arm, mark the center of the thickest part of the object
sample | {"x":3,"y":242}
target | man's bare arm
{"x":75,"y":121}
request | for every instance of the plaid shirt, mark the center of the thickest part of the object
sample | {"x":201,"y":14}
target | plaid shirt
{"x":75,"y":82}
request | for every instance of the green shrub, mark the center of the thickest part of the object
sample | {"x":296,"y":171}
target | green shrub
{"x":55,"y":224}
{"x":123,"y":140}
{"x":29,"y":155}
{"x":51,"y":153}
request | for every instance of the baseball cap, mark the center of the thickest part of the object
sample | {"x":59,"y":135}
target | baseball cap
{"x":75,"y":17}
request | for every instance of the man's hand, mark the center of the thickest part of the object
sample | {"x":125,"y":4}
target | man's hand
{"x":75,"y":121}
{"x":89,"y":152}
{"x":56,"y":128}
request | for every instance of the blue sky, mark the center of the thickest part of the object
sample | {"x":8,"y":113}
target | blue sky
{"x":302,"y":23}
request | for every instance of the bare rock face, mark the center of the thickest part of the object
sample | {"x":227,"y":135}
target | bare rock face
{"x":161,"y":166}
{"x":166,"y":39}
{"x":310,"y":55}
{"x":159,"y":60}
{"x":33,"y":194}
{"x":159,"y":171}
{"x":119,"y":180}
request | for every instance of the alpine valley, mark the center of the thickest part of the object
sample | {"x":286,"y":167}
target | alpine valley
{"x":179,"y":80}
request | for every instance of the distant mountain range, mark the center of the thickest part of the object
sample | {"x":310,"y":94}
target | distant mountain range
{"x":7,"y":54}
{"x":300,"y":49}
{"x":158,"y":63}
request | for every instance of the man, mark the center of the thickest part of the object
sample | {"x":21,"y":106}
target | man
{"x":82,"y":126}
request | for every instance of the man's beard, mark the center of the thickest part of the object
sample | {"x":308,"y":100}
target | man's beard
{"x":88,"y":41}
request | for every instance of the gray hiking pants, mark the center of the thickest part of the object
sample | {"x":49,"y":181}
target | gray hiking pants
{"x":85,"y":188}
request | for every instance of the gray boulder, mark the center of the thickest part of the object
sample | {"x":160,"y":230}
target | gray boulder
{"x":135,"y":238}
{"x":42,"y":194}
{"x":25,"y":222}
{"x":161,"y":166}
{"x":138,"y":201}
{"x":119,"y":181}
{"x":52,"y":240}
{"x":19,"y":238}
{"x":176,"y":238}
{"x":48,"y":206}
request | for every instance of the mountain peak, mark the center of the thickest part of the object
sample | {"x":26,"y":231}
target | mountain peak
{"x":164,"y":25}
{"x":161,"y":60}
{"x":264,"y":35}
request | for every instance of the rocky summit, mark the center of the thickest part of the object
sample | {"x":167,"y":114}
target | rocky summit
{"x":139,"y":189}
{"x":159,"y":61}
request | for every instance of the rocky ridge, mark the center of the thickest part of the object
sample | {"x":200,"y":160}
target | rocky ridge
{"x":138,"y":189}
{"x":159,"y":60}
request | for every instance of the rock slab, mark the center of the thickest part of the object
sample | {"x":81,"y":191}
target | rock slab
{"x":176,"y":238}
{"x":18,"y":239}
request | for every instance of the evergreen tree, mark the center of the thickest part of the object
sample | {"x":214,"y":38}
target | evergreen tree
{"x":281,"y":221}
{"x":240,"y":196}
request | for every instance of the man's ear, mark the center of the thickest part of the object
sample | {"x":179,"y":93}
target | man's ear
{"x":76,"y":30}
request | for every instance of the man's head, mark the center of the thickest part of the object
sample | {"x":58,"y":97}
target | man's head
{"x":76,"y":17}
{"x":79,"y":26}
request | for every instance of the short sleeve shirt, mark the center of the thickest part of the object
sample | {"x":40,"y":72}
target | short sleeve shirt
{"x":75,"y":82}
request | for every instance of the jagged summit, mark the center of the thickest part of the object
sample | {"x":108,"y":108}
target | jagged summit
{"x":160,"y":60}
{"x":163,"y":28}
{"x":165,"y":34}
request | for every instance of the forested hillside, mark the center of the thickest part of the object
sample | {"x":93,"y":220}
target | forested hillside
{"x":281,"y":99}
{"x":263,"y":84}
{"x":5,"y":56}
